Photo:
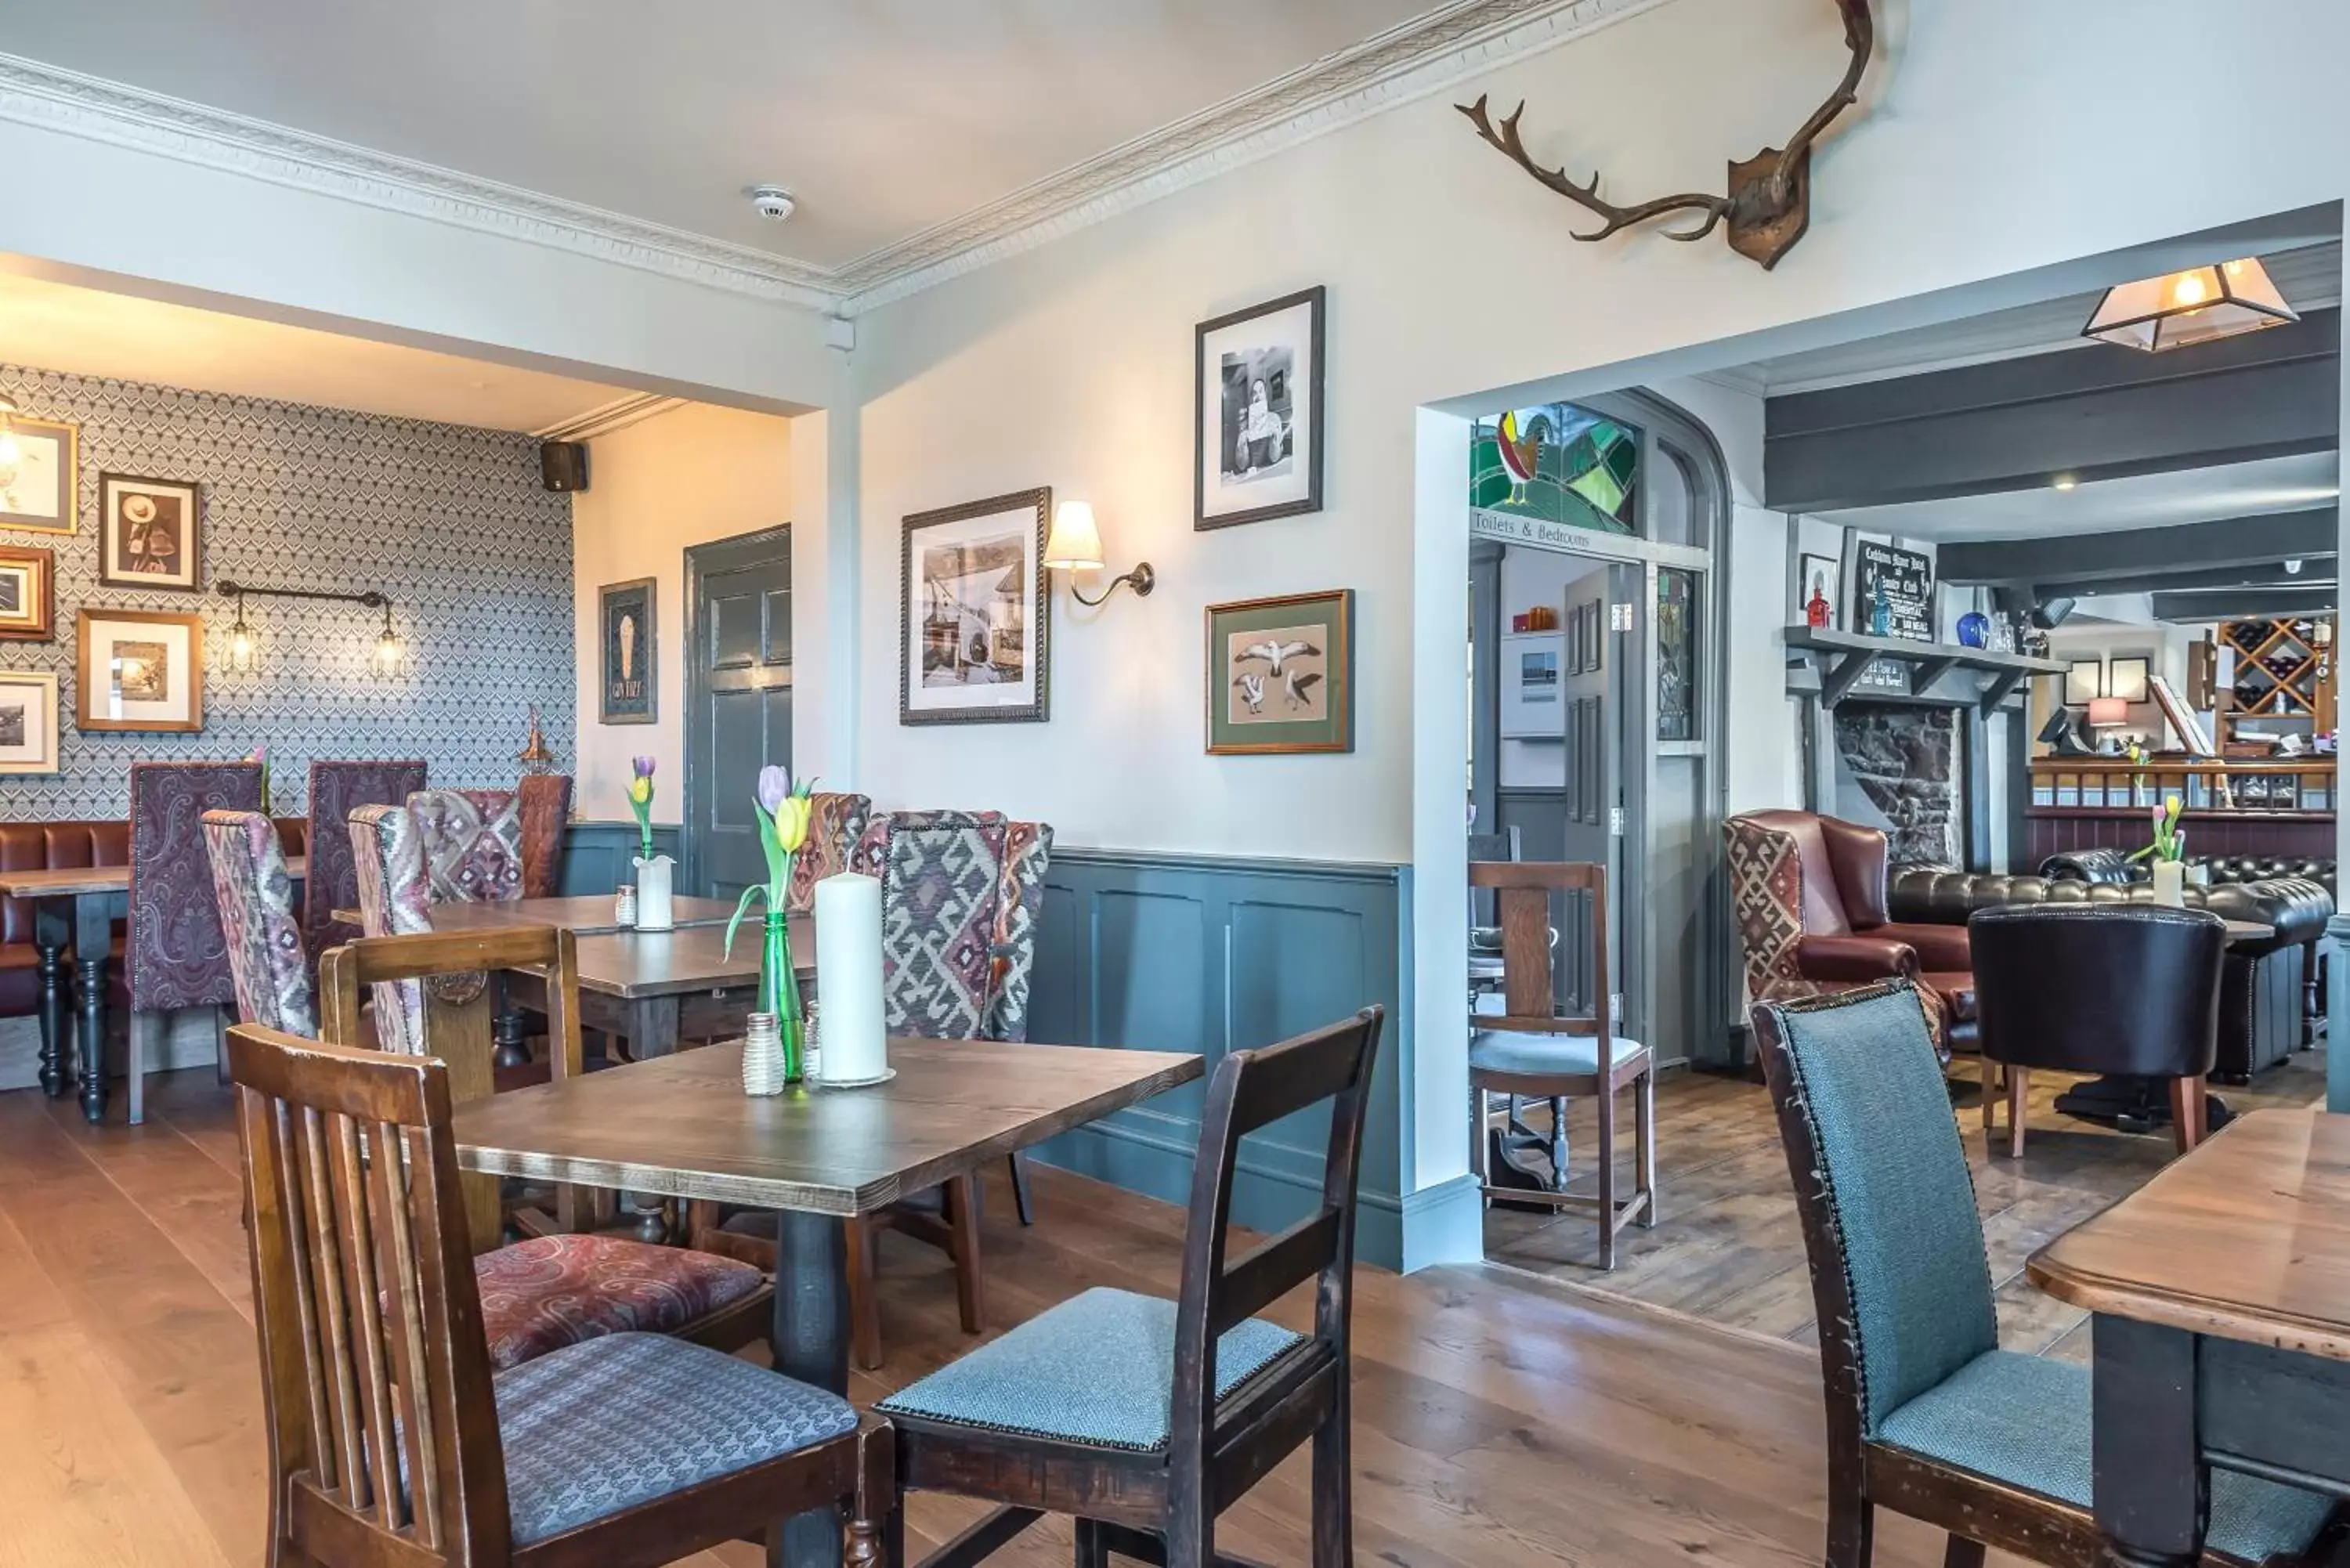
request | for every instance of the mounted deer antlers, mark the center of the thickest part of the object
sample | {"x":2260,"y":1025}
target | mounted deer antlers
{"x":1770,"y":201}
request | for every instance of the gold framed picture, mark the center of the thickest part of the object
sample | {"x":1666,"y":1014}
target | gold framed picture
{"x":150,"y":532}
{"x":38,"y":484}
{"x":138,"y":670}
{"x":28,"y":595}
{"x":1281,"y":674}
{"x":28,"y":721}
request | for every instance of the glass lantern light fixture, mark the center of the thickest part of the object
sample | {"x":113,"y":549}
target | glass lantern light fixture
{"x":389,"y":653}
{"x":2179,"y":309}
{"x":242,"y":650}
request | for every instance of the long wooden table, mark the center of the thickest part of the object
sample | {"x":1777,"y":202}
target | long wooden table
{"x":682,"y":1126}
{"x":76,"y":905}
{"x":2222,"y":1290}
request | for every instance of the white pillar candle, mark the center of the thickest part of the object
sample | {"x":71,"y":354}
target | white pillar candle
{"x":848,"y":977}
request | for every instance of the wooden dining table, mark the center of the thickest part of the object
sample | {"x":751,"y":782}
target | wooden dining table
{"x":2221,"y":1292}
{"x":76,"y":907}
{"x":680,"y":1126}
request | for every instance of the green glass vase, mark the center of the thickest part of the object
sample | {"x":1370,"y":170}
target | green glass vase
{"x":779,"y":994}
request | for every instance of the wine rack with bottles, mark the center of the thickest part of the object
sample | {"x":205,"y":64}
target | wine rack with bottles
{"x":2284,"y":670}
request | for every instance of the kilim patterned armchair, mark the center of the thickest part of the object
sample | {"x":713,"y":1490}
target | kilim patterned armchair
{"x":337,"y":789}
{"x":258,"y":921}
{"x":836,"y":822}
{"x":471,"y":843}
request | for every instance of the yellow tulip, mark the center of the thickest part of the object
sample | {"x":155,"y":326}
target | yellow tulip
{"x":640,"y":791}
{"x":792,"y":822}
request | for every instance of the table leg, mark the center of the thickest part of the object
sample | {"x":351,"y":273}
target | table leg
{"x":652,"y":1032}
{"x":811,"y":1344}
{"x":2153,"y":1491}
{"x":507,"y":1031}
{"x":51,"y":927}
{"x":93,"y":939}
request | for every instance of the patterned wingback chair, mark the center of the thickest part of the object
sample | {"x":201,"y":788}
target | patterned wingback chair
{"x":175,"y":954}
{"x":395,"y":899}
{"x":259,"y":923}
{"x":472,"y":842}
{"x":546,"y":806}
{"x":1020,"y":900}
{"x":836,"y":822}
{"x":337,"y":789}
{"x":941,"y":876}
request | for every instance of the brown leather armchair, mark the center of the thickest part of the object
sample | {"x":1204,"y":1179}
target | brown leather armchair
{"x":1827,"y":879}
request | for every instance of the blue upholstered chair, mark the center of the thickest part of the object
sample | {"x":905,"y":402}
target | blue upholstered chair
{"x":1926,"y":1414}
{"x":1145,"y":1417}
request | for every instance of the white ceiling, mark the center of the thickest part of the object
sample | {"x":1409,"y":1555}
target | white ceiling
{"x":885,"y":117}
{"x":85,"y":332}
{"x":2149,"y":500}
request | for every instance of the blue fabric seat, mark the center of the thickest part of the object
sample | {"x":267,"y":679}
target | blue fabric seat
{"x":1099,"y":1368}
{"x":1511,"y":1051}
{"x":608,"y":1424}
{"x":2026,"y":1420}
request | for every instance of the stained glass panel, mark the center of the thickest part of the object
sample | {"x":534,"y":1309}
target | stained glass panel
{"x":1676,"y":654}
{"x":1557,"y":463}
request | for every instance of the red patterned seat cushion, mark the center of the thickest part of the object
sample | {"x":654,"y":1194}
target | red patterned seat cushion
{"x":552,"y":1291}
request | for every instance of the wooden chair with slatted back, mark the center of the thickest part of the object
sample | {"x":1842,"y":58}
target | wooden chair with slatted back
{"x":388,"y":1447}
{"x":1082,"y":1410}
{"x":1531,"y":1048}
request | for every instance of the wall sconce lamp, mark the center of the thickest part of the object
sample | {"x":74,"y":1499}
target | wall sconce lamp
{"x":2200,"y":305}
{"x":244,"y":643}
{"x":1075,"y":545}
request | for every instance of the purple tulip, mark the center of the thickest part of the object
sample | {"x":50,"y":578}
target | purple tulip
{"x":643,"y":766}
{"x":258,"y":755}
{"x":775,"y":787}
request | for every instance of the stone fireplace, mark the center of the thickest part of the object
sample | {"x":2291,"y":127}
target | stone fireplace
{"x":1897,"y":768}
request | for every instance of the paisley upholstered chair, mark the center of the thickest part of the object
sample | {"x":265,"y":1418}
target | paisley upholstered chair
{"x":395,"y":899}
{"x":1926,"y":1413}
{"x":337,"y":789}
{"x":836,"y":822}
{"x":258,"y":920}
{"x":175,"y":954}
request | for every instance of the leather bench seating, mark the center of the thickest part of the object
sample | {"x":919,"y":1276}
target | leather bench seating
{"x":38,"y":846}
{"x":2263,"y":1000}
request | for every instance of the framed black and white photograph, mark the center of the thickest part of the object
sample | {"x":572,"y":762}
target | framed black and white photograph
{"x":38,"y":489}
{"x":1258,"y":444}
{"x":628,"y":687}
{"x":138,"y":670}
{"x":2125,"y":678}
{"x":2084,"y":681}
{"x":28,"y":721}
{"x":974,"y":621}
{"x":28,"y":595}
{"x":149,"y":532}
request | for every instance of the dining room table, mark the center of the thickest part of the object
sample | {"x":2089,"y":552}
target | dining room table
{"x":680,"y":1126}
{"x":75,"y":907}
{"x":2221,"y":1300}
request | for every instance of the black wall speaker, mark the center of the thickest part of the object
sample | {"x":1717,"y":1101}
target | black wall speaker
{"x":562,"y":464}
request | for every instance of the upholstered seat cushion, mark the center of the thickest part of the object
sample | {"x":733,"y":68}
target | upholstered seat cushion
{"x":1099,"y":1368}
{"x":1957,"y":990}
{"x":539,"y":1295}
{"x":2026,"y":1420}
{"x":1508,"y":1050}
{"x":610,"y":1423}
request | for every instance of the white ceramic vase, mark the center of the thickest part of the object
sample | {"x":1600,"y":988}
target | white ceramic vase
{"x":2169,"y":884}
{"x":655,"y":911}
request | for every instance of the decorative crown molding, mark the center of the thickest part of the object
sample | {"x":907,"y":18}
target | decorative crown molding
{"x":1413,"y":59}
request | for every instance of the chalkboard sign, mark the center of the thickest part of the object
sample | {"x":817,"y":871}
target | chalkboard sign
{"x":1908,"y":580}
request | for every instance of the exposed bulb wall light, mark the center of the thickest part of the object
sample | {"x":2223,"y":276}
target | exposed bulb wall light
{"x":384,"y":662}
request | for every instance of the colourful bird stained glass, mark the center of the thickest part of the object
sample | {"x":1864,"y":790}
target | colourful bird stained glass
{"x":1557,"y":463}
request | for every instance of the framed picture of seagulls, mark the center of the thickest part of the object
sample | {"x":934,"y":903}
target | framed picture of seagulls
{"x":976,"y":624}
{"x":1258,"y":404}
{"x":1281,"y":674}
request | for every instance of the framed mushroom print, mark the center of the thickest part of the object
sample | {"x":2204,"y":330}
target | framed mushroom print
{"x":40,"y":485}
{"x":138,"y":670}
{"x":28,"y":595}
{"x":1281,"y":674}
{"x":149,"y":532}
{"x":1257,"y":447}
{"x":974,"y":639}
{"x":628,"y":691}
{"x":28,"y":721}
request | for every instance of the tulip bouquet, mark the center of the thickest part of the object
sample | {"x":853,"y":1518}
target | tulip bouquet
{"x":783,"y":809}
{"x":641,"y":802}
{"x":2170,"y":844}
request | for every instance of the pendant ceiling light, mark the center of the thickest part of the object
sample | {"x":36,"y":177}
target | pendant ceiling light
{"x":2200,"y":305}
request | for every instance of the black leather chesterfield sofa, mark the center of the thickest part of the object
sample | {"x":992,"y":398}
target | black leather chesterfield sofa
{"x":2267,"y":1002}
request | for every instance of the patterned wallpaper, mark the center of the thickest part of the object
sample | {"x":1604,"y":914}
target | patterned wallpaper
{"x":450,"y":521}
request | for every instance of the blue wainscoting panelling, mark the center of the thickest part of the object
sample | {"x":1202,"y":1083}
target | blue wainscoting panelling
{"x":1176,"y":952}
{"x":595,"y":855}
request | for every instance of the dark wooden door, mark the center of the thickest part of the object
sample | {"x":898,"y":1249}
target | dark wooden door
{"x":738,"y":700}
{"x":1592,"y":688}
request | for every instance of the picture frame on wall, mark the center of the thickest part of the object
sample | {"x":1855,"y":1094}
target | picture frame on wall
{"x":2084,"y":681}
{"x":628,"y":687}
{"x":2127,"y":677}
{"x":28,"y":594}
{"x":139,"y":671}
{"x":1281,"y":674}
{"x":150,"y":532}
{"x":28,"y":721}
{"x":1257,"y":407}
{"x":974,"y":617}
{"x":44,"y":495}
{"x":1820,"y":577}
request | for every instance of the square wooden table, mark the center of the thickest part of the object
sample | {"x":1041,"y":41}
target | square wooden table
{"x":682,"y":1126}
{"x":2222,"y":1290}
{"x":76,"y":905}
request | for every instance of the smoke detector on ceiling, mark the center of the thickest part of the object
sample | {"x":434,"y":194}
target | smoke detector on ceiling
{"x":774,"y":201}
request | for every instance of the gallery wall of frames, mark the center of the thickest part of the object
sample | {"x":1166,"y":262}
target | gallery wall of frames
{"x":107,"y":594}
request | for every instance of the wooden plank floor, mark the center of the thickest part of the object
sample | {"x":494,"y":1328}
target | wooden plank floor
{"x":1731,"y":1251}
{"x":1499,"y":1419}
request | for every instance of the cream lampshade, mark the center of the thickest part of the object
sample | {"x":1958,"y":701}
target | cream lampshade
{"x":1076,"y":542}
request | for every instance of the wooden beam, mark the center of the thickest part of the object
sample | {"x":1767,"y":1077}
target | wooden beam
{"x":2085,"y":562}
{"x":2231,"y":604}
{"x":1840,"y":677}
{"x":1995,"y":690}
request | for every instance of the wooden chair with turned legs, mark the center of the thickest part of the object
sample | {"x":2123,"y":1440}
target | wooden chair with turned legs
{"x":1926,"y":1414}
{"x":1145,"y":1419}
{"x":1532,"y":1049}
{"x":391,"y":1443}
